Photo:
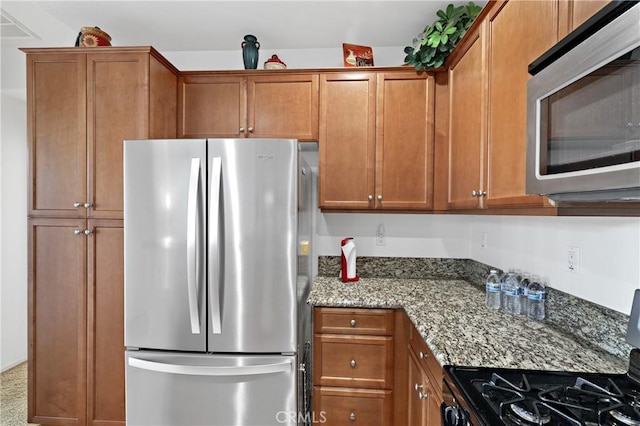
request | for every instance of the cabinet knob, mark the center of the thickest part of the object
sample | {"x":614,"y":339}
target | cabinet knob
{"x":474,"y":193}
{"x":77,"y":204}
{"x":77,"y":231}
{"x":483,"y":193}
{"x":352,"y":416}
{"x":353,"y":363}
{"x":352,"y":323}
{"x":379,"y":197}
{"x":422,"y":395}
{"x":88,"y":205}
{"x":417,"y":386}
{"x":250,"y":129}
{"x":370,"y":197}
{"x":87,"y":232}
{"x":241,"y":129}
{"x":422,"y":355}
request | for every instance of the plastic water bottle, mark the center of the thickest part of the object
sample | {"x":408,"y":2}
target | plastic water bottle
{"x":525,"y":281}
{"x":511,"y":294}
{"x":536,"y":295}
{"x":493,"y":288}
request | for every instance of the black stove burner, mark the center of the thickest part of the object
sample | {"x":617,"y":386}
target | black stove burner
{"x":528,"y":398}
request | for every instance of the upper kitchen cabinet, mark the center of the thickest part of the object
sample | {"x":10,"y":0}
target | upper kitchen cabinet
{"x":573,"y":13}
{"x":271,"y":105}
{"x":467,"y":122}
{"x":81,"y":104}
{"x":487,"y":120}
{"x":376,"y":140}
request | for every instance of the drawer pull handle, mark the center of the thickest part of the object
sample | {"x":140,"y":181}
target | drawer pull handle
{"x":353,"y":363}
{"x":352,"y":416}
{"x":353,"y":323}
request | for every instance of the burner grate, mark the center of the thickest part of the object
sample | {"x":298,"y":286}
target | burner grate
{"x":583,"y":402}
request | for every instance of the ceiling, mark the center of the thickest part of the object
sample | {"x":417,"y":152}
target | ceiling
{"x":178,"y":26}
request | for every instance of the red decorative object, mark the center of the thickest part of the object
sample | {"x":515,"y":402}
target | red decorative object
{"x":357,"y":56}
{"x":274,"y":63}
{"x":92,"y":37}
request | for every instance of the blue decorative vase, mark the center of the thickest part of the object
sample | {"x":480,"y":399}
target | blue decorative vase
{"x":250,"y":47}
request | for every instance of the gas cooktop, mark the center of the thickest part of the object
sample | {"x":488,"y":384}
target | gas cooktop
{"x":532,"y":397}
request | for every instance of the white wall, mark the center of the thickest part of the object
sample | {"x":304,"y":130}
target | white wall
{"x":13,"y":233}
{"x":609,"y":246}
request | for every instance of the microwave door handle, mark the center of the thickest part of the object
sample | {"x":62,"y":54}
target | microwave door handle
{"x":214,"y":245}
{"x":192,"y":246}
{"x":207,"y":370}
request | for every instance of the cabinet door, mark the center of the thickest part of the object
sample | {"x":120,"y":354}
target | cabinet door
{"x":57,"y":322}
{"x":347,"y":140}
{"x":211,"y":106}
{"x":283,"y":106}
{"x":519,"y":32}
{"x":573,"y":13}
{"x":118,"y":105}
{"x":56,"y":133}
{"x":416,"y":409}
{"x":467,"y":124}
{"x":105,"y":342}
{"x":404,"y":141}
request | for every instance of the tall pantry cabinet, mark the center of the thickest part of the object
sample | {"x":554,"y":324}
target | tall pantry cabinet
{"x":81,"y":104}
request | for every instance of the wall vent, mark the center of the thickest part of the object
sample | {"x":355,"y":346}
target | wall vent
{"x":11,"y":28}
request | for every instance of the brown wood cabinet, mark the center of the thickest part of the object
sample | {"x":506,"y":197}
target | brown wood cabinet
{"x":81,"y":104}
{"x":277,"y":105}
{"x":487,"y":80}
{"x":353,"y":372}
{"x":76,"y":352}
{"x":376,"y":140}
{"x":572,"y":13}
{"x":424,"y":382}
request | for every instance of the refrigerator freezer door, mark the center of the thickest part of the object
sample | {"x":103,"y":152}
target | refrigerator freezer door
{"x":199,"y":389}
{"x":164,"y":209}
{"x":252,"y":246}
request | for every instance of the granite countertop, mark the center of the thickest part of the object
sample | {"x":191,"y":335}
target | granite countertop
{"x":452,"y":318}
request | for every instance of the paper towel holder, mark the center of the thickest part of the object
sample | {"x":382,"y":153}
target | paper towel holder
{"x":348,"y":260}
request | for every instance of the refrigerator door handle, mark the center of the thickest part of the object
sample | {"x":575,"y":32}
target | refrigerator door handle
{"x":214,"y":246}
{"x":202,"y":370}
{"x":192,"y":246}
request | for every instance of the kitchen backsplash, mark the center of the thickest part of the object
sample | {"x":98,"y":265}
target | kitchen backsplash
{"x":585,"y":320}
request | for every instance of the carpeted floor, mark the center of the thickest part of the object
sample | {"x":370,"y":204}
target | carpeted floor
{"x":13,"y":396}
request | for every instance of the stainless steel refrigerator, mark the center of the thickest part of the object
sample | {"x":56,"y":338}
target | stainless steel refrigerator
{"x":217,"y":273}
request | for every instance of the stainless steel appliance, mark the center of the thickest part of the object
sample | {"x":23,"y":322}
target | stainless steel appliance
{"x":501,"y":396}
{"x":583,"y":111}
{"x":216,"y":279}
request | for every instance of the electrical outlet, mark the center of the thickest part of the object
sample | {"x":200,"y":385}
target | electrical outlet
{"x":483,"y":240}
{"x":380,"y":235}
{"x":573,"y":259}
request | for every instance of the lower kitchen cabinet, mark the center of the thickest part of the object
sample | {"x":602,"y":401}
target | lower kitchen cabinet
{"x":353,"y":372}
{"x":75,"y":310}
{"x":342,"y":406}
{"x":424,"y":382}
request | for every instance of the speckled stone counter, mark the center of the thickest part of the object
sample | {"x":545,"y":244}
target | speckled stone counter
{"x":451,"y":316}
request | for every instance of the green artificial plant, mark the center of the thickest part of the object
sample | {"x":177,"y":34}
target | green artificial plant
{"x":432,"y":47}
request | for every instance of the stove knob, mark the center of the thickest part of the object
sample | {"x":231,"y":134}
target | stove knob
{"x":455,"y":416}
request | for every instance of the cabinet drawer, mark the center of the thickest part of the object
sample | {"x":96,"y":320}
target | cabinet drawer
{"x":354,"y":361}
{"x":339,"y":406}
{"x":354,"y":321}
{"x":426,"y":358}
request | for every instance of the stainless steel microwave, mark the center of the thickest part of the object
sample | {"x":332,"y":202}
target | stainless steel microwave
{"x":583,"y":111}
